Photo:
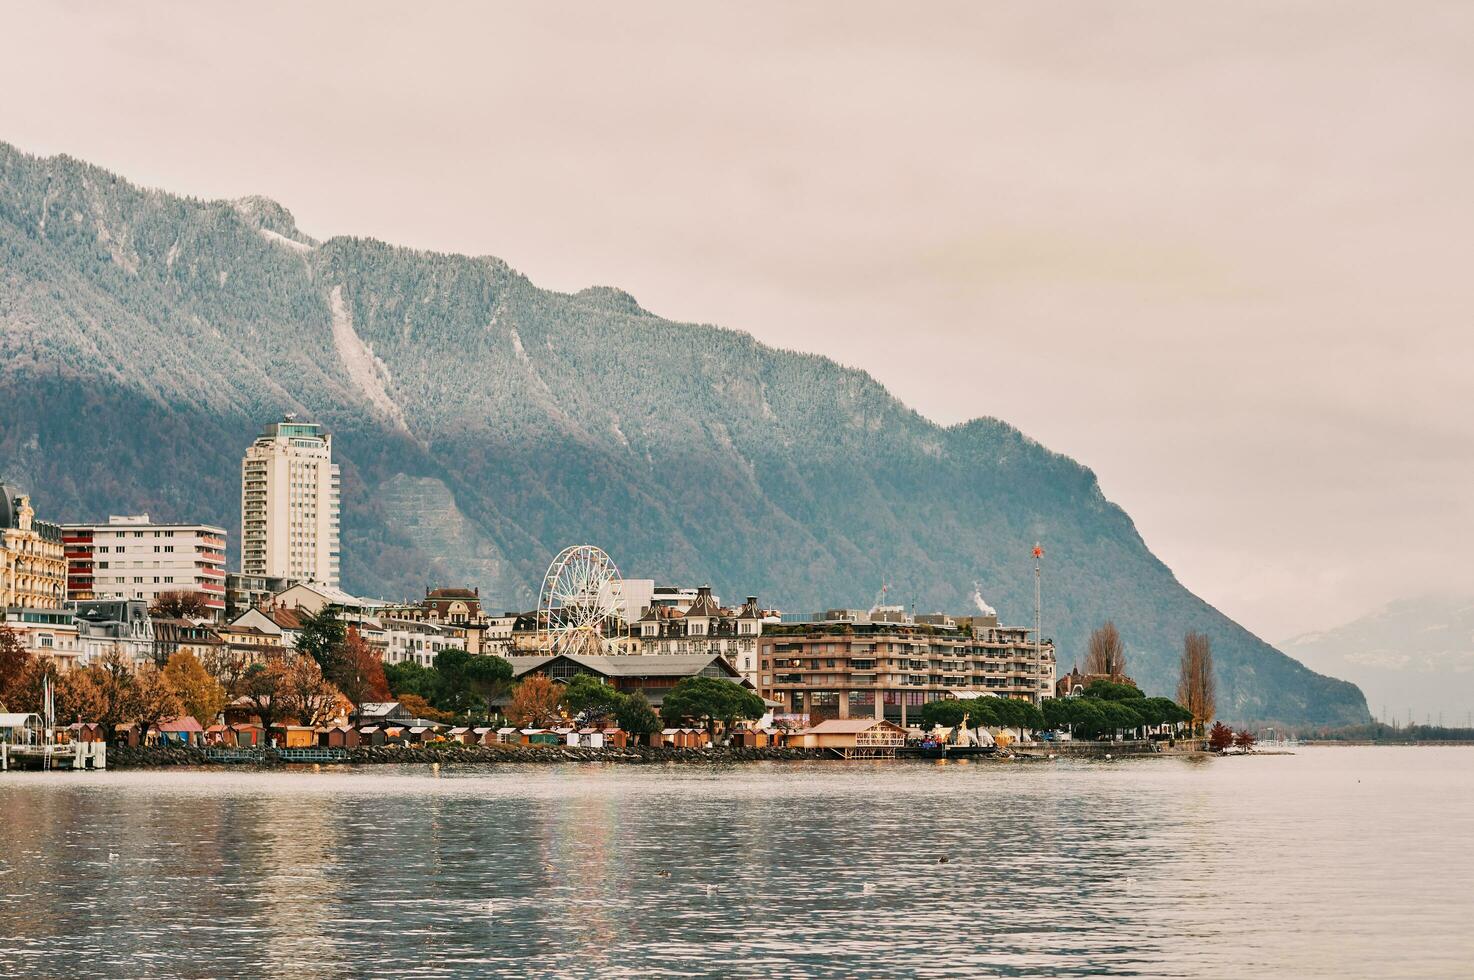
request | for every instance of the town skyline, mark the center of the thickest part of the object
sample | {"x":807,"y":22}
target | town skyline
{"x":1183,"y":262}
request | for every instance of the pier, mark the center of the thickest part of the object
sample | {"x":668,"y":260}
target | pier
{"x":55,"y":755}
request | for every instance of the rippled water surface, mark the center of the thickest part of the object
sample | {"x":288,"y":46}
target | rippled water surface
{"x":1329,"y":863}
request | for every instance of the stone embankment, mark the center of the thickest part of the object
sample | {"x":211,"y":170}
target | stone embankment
{"x":451,"y":753}
{"x":123,"y":757}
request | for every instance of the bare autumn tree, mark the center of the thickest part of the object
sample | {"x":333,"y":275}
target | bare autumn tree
{"x":117,"y":693}
{"x":154,"y":700}
{"x":1106,"y":653}
{"x":307,"y":694}
{"x":263,"y":686}
{"x":228,"y":667}
{"x":180,"y":604}
{"x":1196,"y":688}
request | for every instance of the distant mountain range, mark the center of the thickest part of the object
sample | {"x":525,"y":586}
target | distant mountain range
{"x":1414,"y":654}
{"x":482,"y":423}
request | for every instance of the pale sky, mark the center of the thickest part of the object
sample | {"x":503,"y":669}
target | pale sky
{"x":1219,"y":253}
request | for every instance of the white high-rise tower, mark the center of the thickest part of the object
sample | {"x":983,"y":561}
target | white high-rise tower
{"x":289,"y":504}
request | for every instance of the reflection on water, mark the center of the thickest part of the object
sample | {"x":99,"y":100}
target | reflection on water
{"x":1332,"y":862}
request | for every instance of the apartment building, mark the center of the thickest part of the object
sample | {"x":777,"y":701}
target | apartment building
{"x":131,"y":557}
{"x":290,"y":503}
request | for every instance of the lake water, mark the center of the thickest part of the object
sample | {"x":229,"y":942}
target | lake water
{"x":1332,"y":862}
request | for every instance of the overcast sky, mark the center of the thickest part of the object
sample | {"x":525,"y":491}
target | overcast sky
{"x":1220,"y":253}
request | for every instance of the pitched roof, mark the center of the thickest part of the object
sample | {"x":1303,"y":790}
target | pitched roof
{"x":371,"y":709}
{"x":287,"y":619}
{"x":704,"y":604}
{"x":336,"y":596}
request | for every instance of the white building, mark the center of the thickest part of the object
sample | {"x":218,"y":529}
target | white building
{"x":705,"y":627}
{"x":120,"y":626}
{"x":418,"y":641}
{"x":633,"y":596}
{"x":49,"y":634}
{"x":133,"y":558}
{"x":289,"y":504}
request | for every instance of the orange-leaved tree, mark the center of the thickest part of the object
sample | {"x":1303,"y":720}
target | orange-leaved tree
{"x":201,"y":695}
{"x":535,"y":702}
{"x":358,"y":672}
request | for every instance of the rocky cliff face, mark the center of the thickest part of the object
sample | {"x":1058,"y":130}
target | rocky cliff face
{"x":483,"y":423}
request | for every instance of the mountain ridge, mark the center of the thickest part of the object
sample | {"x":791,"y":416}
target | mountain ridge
{"x":501,"y":421}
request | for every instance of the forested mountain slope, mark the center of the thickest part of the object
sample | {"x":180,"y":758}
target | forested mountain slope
{"x":483,"y":423}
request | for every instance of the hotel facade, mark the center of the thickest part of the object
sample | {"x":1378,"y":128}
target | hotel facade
{"x":33,"y":569}
{"x":847,"y":664}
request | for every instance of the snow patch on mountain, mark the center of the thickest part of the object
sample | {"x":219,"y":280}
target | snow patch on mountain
{"x":280,"y":239}
{"x":364,"y":368}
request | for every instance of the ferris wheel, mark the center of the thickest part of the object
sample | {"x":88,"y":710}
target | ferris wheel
{"x":579,"y":607}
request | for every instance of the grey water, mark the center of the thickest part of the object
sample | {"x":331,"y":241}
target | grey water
{"x":1331,"y":862}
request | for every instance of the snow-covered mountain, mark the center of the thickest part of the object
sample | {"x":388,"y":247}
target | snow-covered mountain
{"x":1413,"y":654}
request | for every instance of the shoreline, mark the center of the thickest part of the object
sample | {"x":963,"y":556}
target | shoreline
{"x":163,"y":757}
